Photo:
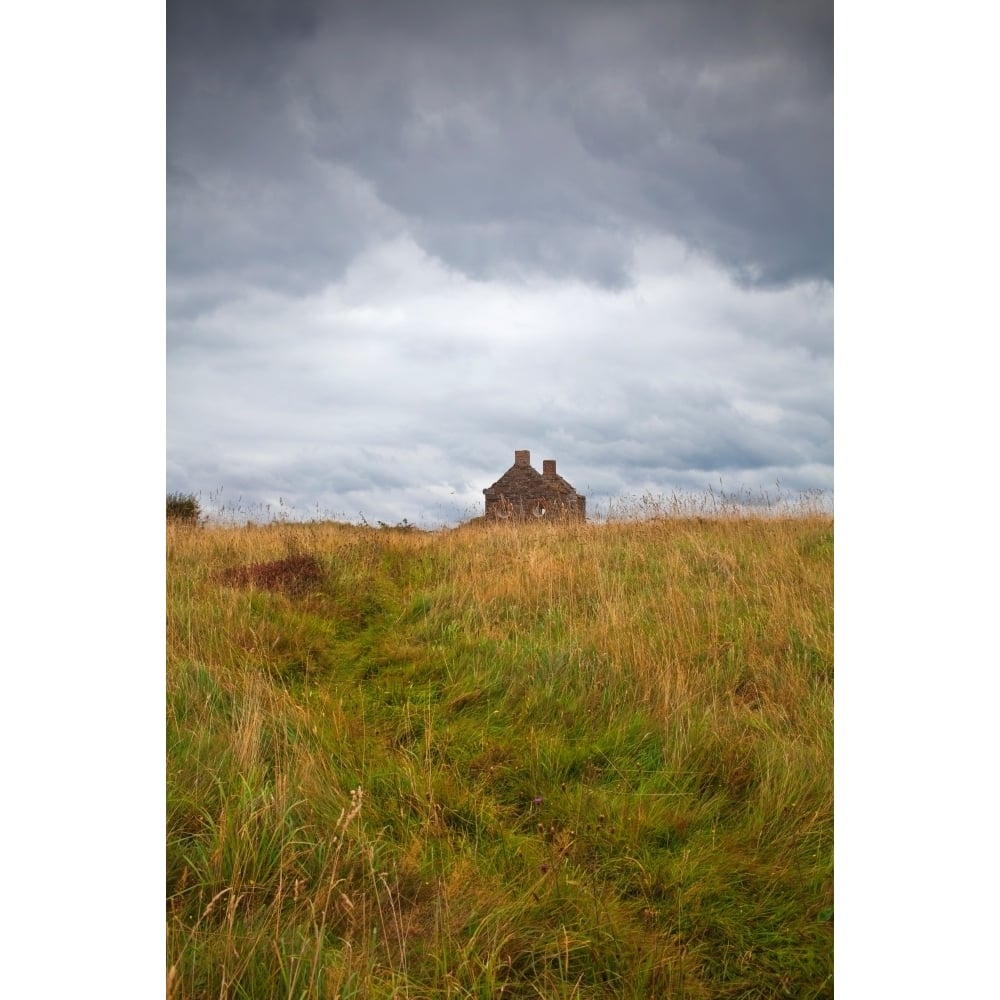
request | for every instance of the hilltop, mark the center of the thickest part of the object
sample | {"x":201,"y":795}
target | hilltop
{"x":579,"y":760}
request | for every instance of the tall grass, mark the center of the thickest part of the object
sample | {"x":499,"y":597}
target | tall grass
{"x":569,"y":760}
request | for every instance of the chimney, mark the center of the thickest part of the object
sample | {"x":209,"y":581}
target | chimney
{"x":522,"y":458}
{"x":549,"y":468}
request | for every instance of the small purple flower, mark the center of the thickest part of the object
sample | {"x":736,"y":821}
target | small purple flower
{"x":537,"y":800}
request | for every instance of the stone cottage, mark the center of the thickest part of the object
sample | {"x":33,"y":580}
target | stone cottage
{"x":522,"y":492}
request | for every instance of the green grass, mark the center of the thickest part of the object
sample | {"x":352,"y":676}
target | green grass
{"x":548,"y":761}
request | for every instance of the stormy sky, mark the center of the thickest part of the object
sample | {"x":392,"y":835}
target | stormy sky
{"x":405,"y":239}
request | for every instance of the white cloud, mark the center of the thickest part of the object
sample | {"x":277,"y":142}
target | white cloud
{"x":433,"y":378}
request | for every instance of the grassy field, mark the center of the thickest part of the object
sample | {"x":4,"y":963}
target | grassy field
{"x":579,"y":760}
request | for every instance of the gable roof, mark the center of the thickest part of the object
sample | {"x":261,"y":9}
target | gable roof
{"x":555,"y":484}
{"x":517,"y":481}
{"x":522,"y":480}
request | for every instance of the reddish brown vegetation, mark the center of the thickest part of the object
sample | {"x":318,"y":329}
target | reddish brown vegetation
{"x":292,"y":575}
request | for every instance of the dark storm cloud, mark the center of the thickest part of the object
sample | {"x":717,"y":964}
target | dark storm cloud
{"x":508,"y":138}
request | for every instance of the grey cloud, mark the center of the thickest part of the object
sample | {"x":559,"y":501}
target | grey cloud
{"x":519,"y":249}
{"x":501,"y":137}
{"x":295,"y":231}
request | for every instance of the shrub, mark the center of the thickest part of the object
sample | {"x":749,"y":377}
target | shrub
{"x":183,"y":508}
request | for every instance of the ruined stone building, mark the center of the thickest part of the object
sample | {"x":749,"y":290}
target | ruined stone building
{"x":523,"y":492}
